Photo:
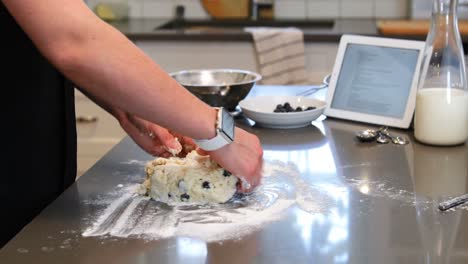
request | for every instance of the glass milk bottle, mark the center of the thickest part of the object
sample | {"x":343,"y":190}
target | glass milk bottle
{"x":441,"y":116}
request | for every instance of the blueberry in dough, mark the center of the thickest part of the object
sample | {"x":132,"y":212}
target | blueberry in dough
{"x":206,"y":185}
{"x":193,"y":179}
{"x":184,"y":197}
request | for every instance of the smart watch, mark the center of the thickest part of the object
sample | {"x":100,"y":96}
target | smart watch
{"x":224,"y":132}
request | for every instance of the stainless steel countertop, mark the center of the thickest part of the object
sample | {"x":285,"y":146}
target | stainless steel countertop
{"x":381,"y":207}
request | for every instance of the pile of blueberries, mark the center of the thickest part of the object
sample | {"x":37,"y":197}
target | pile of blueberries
{"x":286,"y":108}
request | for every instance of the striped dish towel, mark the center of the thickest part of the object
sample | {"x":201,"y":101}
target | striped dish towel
{"x":280,"y":55}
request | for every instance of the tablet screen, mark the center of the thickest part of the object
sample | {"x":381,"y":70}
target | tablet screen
{"x":375,"y":80}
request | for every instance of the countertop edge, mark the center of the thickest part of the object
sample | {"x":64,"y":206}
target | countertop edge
{"x":145,"y":29}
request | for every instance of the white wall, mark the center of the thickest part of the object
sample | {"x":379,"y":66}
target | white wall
{"x":299,"y":9}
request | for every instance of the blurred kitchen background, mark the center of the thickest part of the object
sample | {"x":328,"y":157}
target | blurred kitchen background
{"x":293,"y":9}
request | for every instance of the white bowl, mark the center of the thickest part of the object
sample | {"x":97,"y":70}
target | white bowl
{"x":260,"y":109}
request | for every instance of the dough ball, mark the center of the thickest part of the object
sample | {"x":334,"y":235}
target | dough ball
{"x":193,"y":179}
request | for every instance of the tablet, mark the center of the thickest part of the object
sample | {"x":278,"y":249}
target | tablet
{"x":374,"y":80}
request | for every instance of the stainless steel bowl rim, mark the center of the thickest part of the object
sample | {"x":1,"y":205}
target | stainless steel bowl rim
{"x":257,"y":76}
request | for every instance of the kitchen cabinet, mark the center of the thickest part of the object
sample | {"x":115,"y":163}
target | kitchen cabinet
{"x":320,"y":58}
{"x":182,"y":55}
{"x":97,"y":132}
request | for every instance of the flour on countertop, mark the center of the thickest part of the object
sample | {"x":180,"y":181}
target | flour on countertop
{"x":135,"y":162}
{"x":384,"y":190}
{"x":142,"y":217}
{"x":129,"y":214}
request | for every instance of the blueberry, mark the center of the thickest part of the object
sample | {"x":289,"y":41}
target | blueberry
{"x":311,"y":108}
{"x":184,"y":197}
{"x":206,"y":185}
{"x":286,"y":108}
{"x":226,"y":173}
{"x":169,"y":195}
{"x":279,"y":109}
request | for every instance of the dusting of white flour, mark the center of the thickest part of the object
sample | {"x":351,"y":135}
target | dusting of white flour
{"x":386,"y":190}
{"x":129,"y":214}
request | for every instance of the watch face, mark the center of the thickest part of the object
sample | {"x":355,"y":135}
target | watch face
{"x":227,"y":124}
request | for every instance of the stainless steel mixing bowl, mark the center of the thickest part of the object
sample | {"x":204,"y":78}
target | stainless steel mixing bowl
{"x":218,"y":87}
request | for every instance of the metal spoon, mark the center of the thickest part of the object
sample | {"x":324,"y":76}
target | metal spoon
{"x":382,"y":139}
{"x":367,"y":135}
{"x":236,"y":112}
{"x":395,"y":139}
{"x":400,"y":140}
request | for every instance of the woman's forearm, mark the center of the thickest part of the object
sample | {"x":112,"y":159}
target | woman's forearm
{"x":109,"y":67}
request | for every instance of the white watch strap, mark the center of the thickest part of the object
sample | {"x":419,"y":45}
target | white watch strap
{"x":218,"y":141}
{"x":212,"y":144}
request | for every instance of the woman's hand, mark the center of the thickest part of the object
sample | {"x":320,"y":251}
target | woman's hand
{"x":154,"y":139}
{"x":243,"y":158}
